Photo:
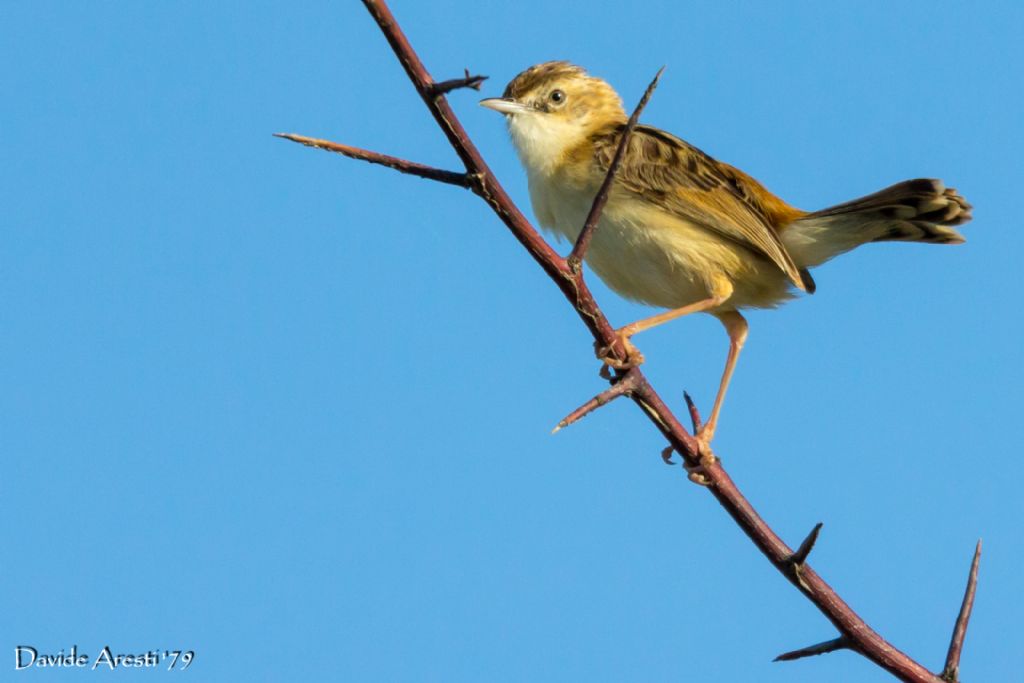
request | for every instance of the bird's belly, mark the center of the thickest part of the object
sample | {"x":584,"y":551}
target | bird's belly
{"x":644,"y":263}
{"x":647,"y":255}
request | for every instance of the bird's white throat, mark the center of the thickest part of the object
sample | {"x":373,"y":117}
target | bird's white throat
{"x":541,"y":140}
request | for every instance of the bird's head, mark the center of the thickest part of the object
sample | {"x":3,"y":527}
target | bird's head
{"x":554,"y":107}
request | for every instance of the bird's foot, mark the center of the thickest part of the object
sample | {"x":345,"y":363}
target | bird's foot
{"x":704,"y":436}
{"x":695,"y":473}
{"x":698,"y":473}
{"x":633,"y":355}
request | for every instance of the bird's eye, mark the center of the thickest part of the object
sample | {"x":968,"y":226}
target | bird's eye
{"x":557,"y":96}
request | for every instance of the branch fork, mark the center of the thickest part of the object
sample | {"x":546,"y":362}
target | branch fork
{"x":567,"y":275}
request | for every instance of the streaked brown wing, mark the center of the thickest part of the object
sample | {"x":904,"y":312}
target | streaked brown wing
{"x":685,"y":181}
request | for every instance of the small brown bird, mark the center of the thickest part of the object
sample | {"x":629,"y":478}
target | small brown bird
{"x":681,"y":230}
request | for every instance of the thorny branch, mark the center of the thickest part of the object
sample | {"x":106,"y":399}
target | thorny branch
{"x":855,"y":634}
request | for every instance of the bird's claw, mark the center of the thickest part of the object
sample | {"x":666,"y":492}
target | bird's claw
{"x":698,"y":473}
{"x":633,"y":356}
{"x":697,"y":476}
{"x":704,"y":436}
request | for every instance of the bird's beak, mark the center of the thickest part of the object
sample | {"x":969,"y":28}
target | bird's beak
{"x":505,"y":105}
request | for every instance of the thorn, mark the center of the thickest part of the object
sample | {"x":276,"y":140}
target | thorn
{"x":951,"y":672}
{"x":692,"y":407}
{"x":840,"y":643}
{"x":399,"y":164}
{"x":798,"y":558}
{"x":626,"y":384}
{"x":445,"y":87}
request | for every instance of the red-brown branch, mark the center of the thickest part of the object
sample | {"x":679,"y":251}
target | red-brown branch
{"x":855,"y":633}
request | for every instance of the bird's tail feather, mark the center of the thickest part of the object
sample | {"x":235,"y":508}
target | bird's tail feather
{"x":921,"y":210}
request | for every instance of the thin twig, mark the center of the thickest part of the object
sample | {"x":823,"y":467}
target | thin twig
{"x":402,"y":165}
{"x":856,"y":634}
{"x":951,"y":672}
{"x":626,"y":384}
{"x":579,"y":250}
{"x":841,"y":643}
{"x":445,"y":87}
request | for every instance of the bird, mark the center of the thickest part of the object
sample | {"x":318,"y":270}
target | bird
{"x":681,"y":230}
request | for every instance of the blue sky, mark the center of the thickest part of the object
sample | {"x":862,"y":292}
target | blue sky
{"x":292,"y":412}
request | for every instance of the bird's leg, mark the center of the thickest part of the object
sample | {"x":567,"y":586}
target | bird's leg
{"x":721,"y":291}
{"x":736,"y":327}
